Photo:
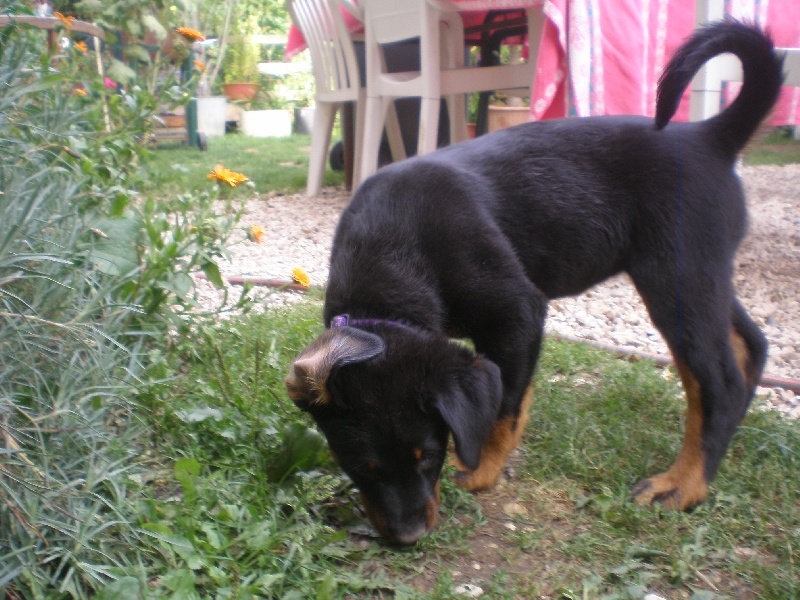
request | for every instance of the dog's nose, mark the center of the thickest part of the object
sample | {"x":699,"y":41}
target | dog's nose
{"x":410,"y":535}
{"x":403,"y":530}
{"x":407,"y":537}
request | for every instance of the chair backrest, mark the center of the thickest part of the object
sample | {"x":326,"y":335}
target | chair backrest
{"x":393,"y":21}
{"x":334,"y":61}
{"x":398,"y":20}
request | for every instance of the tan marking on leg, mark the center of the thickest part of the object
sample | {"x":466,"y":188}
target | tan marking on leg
{"x":742,"y":354}
{"x":432,"y":509}
{"x":502,"y":439}
{"x":684,"y":484}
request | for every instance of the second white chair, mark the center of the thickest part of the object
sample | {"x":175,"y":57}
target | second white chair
{"x":442,"y":73}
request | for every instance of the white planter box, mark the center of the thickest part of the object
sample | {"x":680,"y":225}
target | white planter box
{"x":211,"y":115}
{"x":266,"y":123}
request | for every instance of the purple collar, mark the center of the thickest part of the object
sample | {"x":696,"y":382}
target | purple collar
{"x":346,"y":321}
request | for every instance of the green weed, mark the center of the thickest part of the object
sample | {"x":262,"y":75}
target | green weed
{"x":253,"y":497}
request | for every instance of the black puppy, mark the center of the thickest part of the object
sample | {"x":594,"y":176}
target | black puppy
{"x":466,"y":242}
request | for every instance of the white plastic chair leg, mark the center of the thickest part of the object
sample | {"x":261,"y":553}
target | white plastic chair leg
{"x":394,"y":133}
{"x":457,"y":113}
{"x":324,"y":115}
{"x":428,"y":125}
{"x":373,"y":128}
{"x":360,"y":114}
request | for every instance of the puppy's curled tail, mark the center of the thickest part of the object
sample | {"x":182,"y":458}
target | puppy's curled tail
{"x":763,"y":76}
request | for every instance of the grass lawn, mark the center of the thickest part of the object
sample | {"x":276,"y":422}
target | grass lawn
{"x":272,"y":164}
{"x":777,"y":147}
{"x":243,"y":500}
{"x":562,"y":527}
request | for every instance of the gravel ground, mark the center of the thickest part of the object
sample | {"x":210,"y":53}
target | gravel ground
{"x":298,"y":233}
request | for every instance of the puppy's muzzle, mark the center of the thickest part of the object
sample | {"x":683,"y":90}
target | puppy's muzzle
{"x":404,"y":531}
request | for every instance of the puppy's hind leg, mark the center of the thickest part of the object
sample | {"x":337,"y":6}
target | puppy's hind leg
{"x":750,"y":347}
{"x":719,"y":359}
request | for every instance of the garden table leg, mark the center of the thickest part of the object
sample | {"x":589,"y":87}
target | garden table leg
{"x":348,"y":140}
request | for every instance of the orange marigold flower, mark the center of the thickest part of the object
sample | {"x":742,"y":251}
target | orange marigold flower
{"x":256,"y":233}
{"x":81,"y":47}
{"x":191,"y":34}
{"x":80,"y":91}
{"x":301,"y":277}
{"x":232,"y":178}
{"x":65,"y":20}
{"x":200,"y":66}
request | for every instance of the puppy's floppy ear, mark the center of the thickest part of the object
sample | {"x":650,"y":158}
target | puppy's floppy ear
{"x":469,"y":407}
{"x":306,"y":382}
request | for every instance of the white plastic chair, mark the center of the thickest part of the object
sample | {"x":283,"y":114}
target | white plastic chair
{"x":336,"y":76}
{"x":442,"y":73}
{"x":707,"y":84}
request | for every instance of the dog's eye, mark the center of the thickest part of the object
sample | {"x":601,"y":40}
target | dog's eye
{"x":428,"y":460}
{"x":368,"y":469}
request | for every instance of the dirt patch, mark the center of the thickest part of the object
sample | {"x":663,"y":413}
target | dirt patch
{"x":520,"y":540}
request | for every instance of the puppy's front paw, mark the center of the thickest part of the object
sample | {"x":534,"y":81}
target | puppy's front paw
{"x":475,"y":481}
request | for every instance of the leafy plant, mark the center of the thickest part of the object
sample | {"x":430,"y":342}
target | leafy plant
{"x":65,"y":380}
{"x":86,"y":300}
{"x":240,"y":64}
{"x":132,"y":16}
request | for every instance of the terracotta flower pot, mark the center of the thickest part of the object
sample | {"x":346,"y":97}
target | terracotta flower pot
{"x":240,"y":91}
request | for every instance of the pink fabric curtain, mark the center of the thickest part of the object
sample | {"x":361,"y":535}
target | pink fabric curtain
{"x":599,"y":57}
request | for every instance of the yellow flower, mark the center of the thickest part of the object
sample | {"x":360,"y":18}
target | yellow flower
{"x":81,"y":47}
{"x":191,"y":34}
{"x":232,"y":178}
{"x":256,"y":233}
{"x":301,"y":277}
{"x":65,"y":20}
{"x":200,"y":66}
{"x":80,"y":91}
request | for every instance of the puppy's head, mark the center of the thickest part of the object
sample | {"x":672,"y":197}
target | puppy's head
{"x":386,"y":402}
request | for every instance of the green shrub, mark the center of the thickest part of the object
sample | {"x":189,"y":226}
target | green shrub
{"x":92,"y":279}
{"x":240,"y":64}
